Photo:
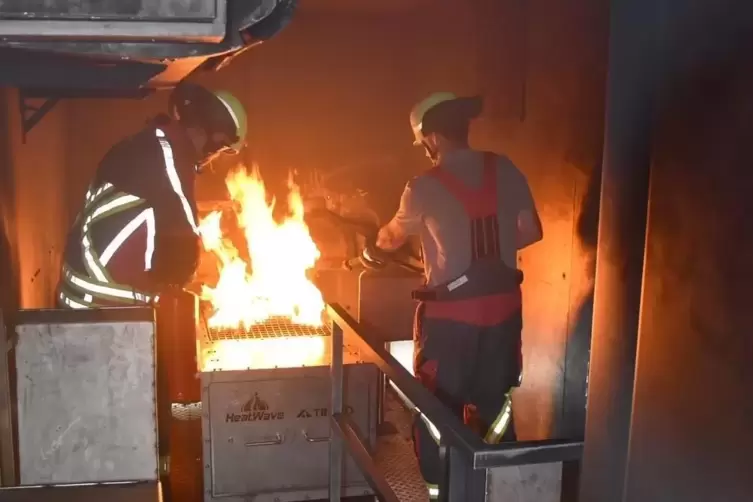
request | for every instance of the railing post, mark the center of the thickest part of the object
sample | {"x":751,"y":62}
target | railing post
{"x":466,"y":483}
{"x":336,"y":442}
{"x":444,"y":472}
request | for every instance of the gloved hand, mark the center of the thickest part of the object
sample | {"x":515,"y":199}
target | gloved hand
{"x":374,"y":258}
{"x":176,"y":259}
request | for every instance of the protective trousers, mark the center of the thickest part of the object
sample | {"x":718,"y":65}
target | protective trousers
{"x":471,"y":369}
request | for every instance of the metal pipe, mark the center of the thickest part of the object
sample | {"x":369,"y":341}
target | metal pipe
{"x":336,"y":446}
{"x":177,"y":318}
{"x":631,"y":93}
{"x":177,"y":328}
{"x":444,"y":473}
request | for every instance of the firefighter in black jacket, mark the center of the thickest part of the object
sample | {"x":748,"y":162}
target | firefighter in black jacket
{"x":137,"y":233}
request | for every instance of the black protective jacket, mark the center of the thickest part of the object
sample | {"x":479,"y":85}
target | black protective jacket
{"x":137,"y":231}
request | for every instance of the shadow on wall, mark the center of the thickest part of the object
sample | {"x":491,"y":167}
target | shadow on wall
{"x":579,"y":337}
{"x":695,"y":335}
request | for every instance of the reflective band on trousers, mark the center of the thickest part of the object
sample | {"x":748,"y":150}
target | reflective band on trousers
{"x":172,"y":175}
{"x":433,"y":491}
{"x":496,"y":431}
{"x":107,"y":290}
{"x":85,"y":304}
{"x":71,"y":302}
{"x":500,"y":424}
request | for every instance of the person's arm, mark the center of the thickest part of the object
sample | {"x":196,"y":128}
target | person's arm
{"x":177,"y":243}
{"x":168,"y":188}
{"x":405,"y":223}
{"x":138,"y":166}
{"x":530,"y":230}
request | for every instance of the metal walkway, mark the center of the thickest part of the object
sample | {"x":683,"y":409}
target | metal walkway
{"x":395,"y":456}
{"x":392,"y":469}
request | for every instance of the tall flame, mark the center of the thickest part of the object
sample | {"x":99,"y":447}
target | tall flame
{"x":275,"y":282}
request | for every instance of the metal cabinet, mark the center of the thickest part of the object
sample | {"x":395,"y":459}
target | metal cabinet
{"x":266,"y":432}
{"x":86,"y":396}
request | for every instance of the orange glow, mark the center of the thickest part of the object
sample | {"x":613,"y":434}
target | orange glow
{"x":265,"y":353}
{"x":273,"y":284}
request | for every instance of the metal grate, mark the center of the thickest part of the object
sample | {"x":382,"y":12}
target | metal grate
{"x":274,"y":327}
{"x":395,"y":456}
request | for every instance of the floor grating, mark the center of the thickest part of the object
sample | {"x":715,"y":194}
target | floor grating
{"x":395,"y":455}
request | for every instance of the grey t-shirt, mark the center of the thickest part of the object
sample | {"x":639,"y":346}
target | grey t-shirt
{"x":429,"y":210}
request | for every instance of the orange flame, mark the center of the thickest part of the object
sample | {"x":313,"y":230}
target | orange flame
{"x":275,"y":282}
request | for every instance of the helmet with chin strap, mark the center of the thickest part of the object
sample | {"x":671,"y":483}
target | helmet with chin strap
{"x":219,"y":113}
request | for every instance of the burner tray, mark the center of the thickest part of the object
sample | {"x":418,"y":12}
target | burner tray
{"x":274,"y":327}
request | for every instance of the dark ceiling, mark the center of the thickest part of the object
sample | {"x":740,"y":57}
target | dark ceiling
{"x":365,"y":6}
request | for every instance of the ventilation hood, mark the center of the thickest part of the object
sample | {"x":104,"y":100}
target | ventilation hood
{"x":128,"y":48}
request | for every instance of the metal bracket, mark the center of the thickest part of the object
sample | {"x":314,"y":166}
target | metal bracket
{"x":164,"y":466}
{"x":31,"y":114}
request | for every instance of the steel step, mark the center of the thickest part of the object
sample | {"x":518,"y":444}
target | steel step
{"x":395,"y":456}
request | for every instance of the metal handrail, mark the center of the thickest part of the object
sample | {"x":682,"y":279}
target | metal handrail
{"x":448,"y":424}
{"x":346,"y":430}
{"x":454,"y":433}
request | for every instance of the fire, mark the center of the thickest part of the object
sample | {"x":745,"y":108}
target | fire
{"x":274,"y":283}
{"x":265,"y":353}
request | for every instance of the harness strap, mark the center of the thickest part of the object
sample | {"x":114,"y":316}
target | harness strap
{"x":423,"y":295}
{"x":480,"y":205}
{"x":479,"y":202}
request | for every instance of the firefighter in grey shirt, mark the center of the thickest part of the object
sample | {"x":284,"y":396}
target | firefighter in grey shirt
{"x":472,"y":211}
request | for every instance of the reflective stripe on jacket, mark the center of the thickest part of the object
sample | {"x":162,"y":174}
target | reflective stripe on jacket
{"x":112,"y":244}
